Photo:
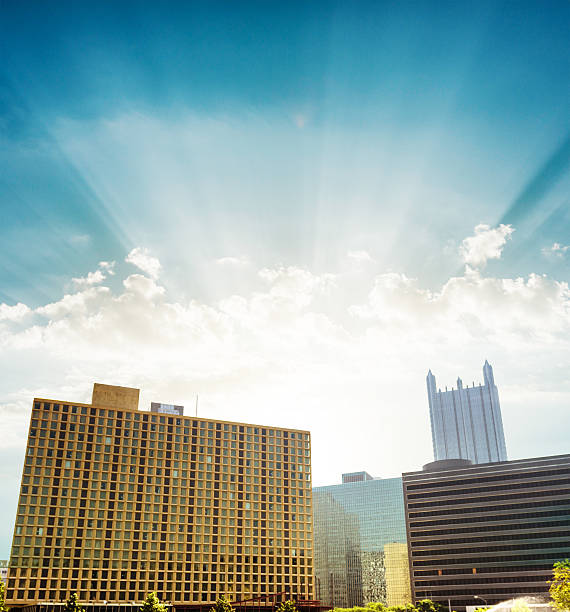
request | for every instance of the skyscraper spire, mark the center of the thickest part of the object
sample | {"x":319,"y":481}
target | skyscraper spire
{"x":466,"y":422}
{"x":488,"y":374}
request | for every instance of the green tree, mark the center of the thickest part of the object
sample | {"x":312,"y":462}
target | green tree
{"x":72,"y":604}
{"x":377,"y":606}
{"x":426,"y":605}
{"x":287,"y":606}
{"x":3,"y":607}
{"x":560,"y":585}
{"x":222,"y":605}
{"x":152,"y":604}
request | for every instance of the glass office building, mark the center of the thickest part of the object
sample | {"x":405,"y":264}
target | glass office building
{"x":360,"y":549}
{"x":466,"y":422}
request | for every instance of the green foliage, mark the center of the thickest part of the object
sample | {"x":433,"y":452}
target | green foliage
{"x":287,"y":606}
{"x":376,"y":607}
{"x":222,"y":605}
{"x":3,"y":607}
{"x":425,"y":605}
{"x":72,"y":604}
{"x":152,"y":604}
{"x":560,"y":585}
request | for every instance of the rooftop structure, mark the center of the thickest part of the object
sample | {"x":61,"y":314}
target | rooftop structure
{"x":356,"y":477}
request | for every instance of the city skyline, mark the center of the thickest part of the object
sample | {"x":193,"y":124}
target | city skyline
{"x":288,"y":210}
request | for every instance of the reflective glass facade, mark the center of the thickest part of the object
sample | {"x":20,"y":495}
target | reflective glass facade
{"x":466,"y":422}
{"x":360,"y":550}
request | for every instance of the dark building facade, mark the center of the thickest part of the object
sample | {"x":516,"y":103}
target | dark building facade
{"x":490,"y":531}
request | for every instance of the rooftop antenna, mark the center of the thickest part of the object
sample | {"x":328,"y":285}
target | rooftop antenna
{"x":196,"y":405}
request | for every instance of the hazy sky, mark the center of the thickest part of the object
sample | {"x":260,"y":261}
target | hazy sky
{"x":291,"y":209}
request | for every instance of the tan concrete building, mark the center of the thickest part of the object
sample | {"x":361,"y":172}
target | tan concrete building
{"x":116,"y":502}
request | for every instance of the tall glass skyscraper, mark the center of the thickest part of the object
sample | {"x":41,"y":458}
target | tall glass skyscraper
{"x":466,"y":422}
{"x":360,"y":549}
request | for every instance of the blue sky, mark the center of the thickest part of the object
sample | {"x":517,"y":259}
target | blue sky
{"x":308,"y":202}
{"x":446,"y":111}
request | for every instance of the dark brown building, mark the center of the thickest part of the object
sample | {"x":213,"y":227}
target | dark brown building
{"x":488,"y":532}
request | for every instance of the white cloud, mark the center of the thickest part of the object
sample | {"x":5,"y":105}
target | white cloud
{"x":98,"y":276}
{"x":108,"y":266}
{"x":301,"y":350}
{"x":143,"y":260}
{"x":294,"y":288}
{"x":143,"y":286}
{"x":556,"y":250}
{"x":92,"y":278}
{"x":73,"y":304}
{"x":13,"y":313}
{"x":360,"y":256}
{"x":473,"y":307}
{"x":487,"y":243}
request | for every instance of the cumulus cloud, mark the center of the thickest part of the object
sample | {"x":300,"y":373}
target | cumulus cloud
{"x":473,"y":307}
{"x":108,"y":267}
{"x":143,"y":286}
{"x":13,"y":313}
{"x":360,"y":256}
{"x":556,"y":250}
{"x":487,"y":243}
{"x":92,"y":278}
{"x":143,"y":260}
{"x":300,"y":350}
{"x":73,"y":304}
{"x":98,"y":276}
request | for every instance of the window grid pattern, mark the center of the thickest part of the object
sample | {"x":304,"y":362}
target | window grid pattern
{"x":496,"y":546}
{"x":116,"y":503}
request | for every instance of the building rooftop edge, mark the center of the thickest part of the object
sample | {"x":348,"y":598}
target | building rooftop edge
{"x":475,"y":466}
{"x":360,"y":482}
{"x":141,"y":411}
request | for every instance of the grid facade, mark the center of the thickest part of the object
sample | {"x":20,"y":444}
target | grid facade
{"x":358,"y":527}
{"x":115,"y":503}
{"x":491,"y":531}
{"x":466,"y":422}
